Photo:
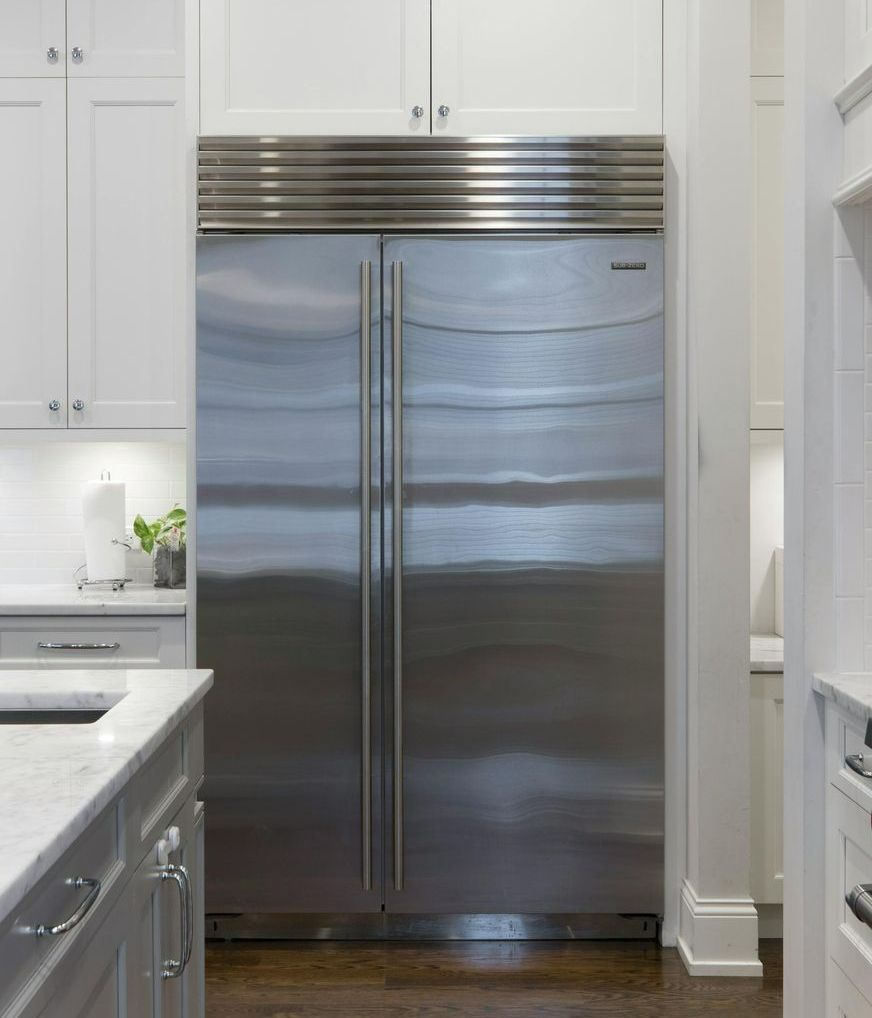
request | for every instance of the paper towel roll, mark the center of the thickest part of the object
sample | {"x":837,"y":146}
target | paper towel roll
{"x":103,"y":517}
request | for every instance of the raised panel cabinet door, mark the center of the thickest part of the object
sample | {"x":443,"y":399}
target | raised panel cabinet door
{"x":117,"y":38}
{"x":98,"y":986}
{"x":32,"y":39}
{"x":128,"y":237}
{"x":331,"y":67}
{"x":33,"y":263}
{"x":555,"y":67}
{"x":767,"y":280}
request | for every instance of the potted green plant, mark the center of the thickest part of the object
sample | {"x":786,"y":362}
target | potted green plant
{"x":166,"y":539}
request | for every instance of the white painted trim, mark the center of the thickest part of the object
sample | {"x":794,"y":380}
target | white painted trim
{"x":192,"y":123}
{"x":718,"y":936}
{"x":854,"y":91}
{"x":37,"y":436}
{"x":814,"y":151}
{"x":856,"y":191}
{"x":676,"y":463}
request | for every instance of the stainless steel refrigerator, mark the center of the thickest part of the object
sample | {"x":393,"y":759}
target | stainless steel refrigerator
{"x":430,"y":578}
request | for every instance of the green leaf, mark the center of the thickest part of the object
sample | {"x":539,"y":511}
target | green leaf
{"x":176,"y":516}
{"x":140,"y":527}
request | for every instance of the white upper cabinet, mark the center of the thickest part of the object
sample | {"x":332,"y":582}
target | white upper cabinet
{"x":559,"y":67}
{"x":115,"y":38}
{"x":275,"y":67}
{"x":32,"y":38}
{"x":315,"y":66}
{"x":767,"y":280}
{"x":128,"y":235}
{"x":33,"y":248}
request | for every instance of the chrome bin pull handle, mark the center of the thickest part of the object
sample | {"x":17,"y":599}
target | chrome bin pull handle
{"x":857,"y":764}
{"x":79,"y":914}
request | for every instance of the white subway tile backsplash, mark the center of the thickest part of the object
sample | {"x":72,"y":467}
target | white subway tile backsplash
{"x":850,"y":315}
{"x":850,"y":641}
{"x":41,"y":509}
{"x":850,"y":534}
{"x":850,"y":422}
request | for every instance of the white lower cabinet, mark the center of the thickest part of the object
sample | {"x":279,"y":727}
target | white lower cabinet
{"x":848,"y":864}
{"x":165,"y":977}
{"x":111,"y":963}
{"x":767,"y":788}
{"x":142,"y":641}
{"x":98,"y":986}
{"x":844,"y":1000}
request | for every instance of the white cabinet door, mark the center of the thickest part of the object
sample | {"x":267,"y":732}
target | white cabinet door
{"x":99,"y":986}
{"x":128,"y":234}
{"x":767,"y":281}
{"x":33,"y":264}
{"x":324,"y":67}
{"x":32,"y":38}
{"x":553,"y":67}
{"x":767,"y":788}
{"x":116,"y":38}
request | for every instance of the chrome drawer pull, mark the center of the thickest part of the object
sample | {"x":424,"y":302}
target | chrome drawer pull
{"x":171,"y":968}
{"x":81,"y":911}
{"x":857,"y":764}
{"x":78,"y":646}
{"x":859,"y":900}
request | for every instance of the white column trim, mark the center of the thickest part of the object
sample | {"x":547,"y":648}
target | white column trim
{"x":718,"y":936}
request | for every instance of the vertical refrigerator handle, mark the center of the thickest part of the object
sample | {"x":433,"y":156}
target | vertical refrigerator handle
{"x":365,"y":555}
{"x":397,"y":546}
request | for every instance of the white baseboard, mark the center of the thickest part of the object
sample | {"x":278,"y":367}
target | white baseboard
{"x":718,"y":936}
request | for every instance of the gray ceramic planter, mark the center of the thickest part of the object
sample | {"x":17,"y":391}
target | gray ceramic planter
{"x":169,"y":567}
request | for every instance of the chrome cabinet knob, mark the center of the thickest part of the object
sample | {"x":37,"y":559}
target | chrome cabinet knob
{"x":54,"y":404}
{"x":78,"y":404}
{"x":417,"y":112}
{"x":52,"y":54}
{"x":443,"y":111}
{"x":78,"y":54}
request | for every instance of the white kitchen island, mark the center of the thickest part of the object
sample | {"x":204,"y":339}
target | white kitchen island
{"x":101,"y":843}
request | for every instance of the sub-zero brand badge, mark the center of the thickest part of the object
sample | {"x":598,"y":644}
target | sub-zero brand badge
{"x":629,"y":266}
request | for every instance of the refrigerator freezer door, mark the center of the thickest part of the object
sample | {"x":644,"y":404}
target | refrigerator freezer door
{"x":280,"y":604}
{"x":532,"y":575}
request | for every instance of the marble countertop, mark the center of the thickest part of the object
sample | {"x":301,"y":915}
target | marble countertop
{"x":135,"y":599}
{"x":767,"y":653}
{"x":57,"y":778}
{"x":850,"y":690}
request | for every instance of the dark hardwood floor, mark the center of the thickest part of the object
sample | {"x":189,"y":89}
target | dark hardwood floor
{"x":479,"y":979}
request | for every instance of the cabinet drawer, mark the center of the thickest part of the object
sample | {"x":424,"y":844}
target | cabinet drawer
{"x":26,"y":960}
{"x":846,"y":737}
{"x":92,"y":643}
{"x":844,"y":1000}
{"x":849,"y":862}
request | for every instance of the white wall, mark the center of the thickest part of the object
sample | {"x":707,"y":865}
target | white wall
{"x":40,"y":501}
{"x":767,"y":524}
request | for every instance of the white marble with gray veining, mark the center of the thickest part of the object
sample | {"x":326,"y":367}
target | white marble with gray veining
{"x":852,"y":691}
{"x":135,"y":599}
{"x":767,"y":653}
{"x":55,"y":779}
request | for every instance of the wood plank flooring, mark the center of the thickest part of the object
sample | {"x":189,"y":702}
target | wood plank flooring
{"x":481,"y":979}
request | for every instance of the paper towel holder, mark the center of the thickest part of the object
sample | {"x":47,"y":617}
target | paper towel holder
{"x":116,"y":584}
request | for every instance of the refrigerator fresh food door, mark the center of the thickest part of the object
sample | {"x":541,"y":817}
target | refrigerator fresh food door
{"x":525,"y":639}
{"x":288,"y":384}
